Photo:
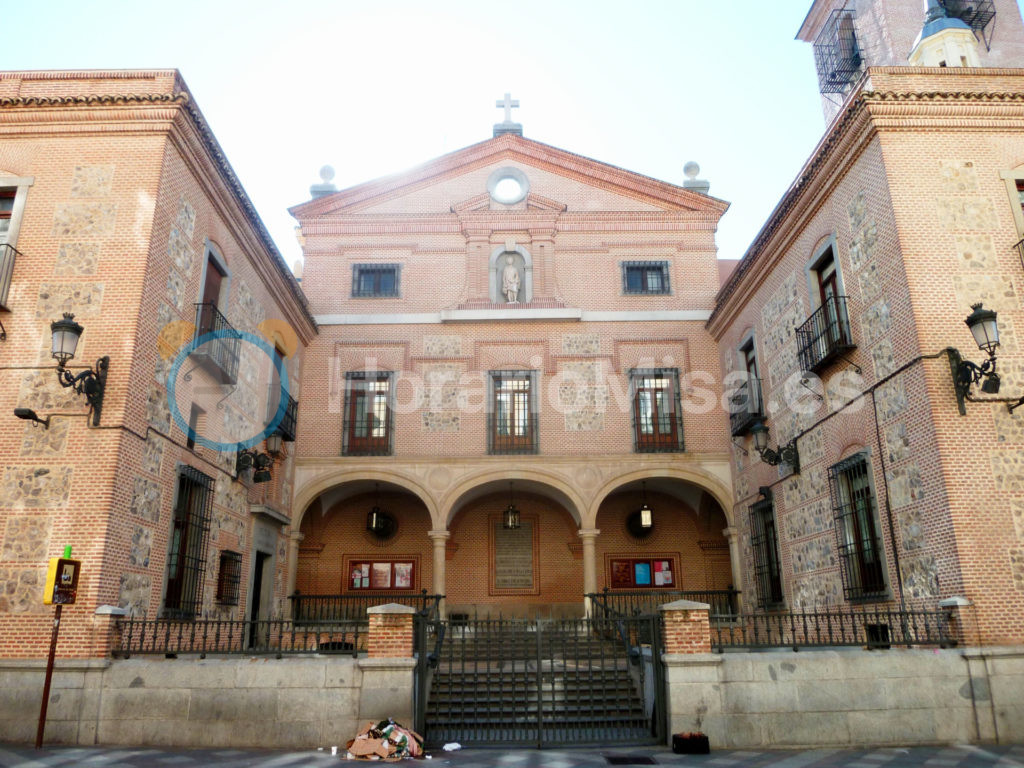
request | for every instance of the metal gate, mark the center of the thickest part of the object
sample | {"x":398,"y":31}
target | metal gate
{"x":544,"y":683}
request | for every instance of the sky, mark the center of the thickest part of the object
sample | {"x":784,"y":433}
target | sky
{"x":377,"y":86}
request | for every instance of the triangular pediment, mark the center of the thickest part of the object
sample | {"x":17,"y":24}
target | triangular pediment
{"x":560,"y":181}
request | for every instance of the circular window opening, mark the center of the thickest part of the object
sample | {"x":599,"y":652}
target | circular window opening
{"x":508,"y":190}
{"x":508,"y":185}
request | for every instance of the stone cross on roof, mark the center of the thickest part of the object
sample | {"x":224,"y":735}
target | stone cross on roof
{"x":508,"y":103}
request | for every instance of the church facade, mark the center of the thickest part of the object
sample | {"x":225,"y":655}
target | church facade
{"x":512,"y":325}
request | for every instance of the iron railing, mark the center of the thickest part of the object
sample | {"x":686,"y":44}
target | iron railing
{"x":1020,"y":251}
{"x":287,"y":426}
{"x":836,"y":52}
{"x":324,"y":609}
{"x":746,"y":408}
{"x":723,"y":602}
{"x":259,"y":638}
{"x":221,"y":352}
{"x":825,"y":335}
{"x":8,"y":253}
{"x":832,"y":627}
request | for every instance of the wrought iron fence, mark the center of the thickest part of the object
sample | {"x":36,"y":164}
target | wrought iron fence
{"x":825,"y":334}
{"x":834,"y":627}
{"x":320,"y":609}
{"x":723,"y":602}
{"x":203,"y":637}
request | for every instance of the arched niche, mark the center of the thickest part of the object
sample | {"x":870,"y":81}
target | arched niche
{"x":523,"y":263}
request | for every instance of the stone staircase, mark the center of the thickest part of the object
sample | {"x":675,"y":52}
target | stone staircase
{"x":518,"y":682}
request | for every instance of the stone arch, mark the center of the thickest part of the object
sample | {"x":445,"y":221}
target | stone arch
{"x":707,"y":482}
{"x":311,"y":491}
{"x":524,"y":262}
{"x":538,"y":482}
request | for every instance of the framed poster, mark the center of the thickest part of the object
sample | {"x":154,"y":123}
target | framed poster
{"x":381,"y":575}
{"x":641,"y":572}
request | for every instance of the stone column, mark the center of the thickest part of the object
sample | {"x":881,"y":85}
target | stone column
{"x":294,"y":539}
{"x":389,"y":669}
{"x":687,"y":628}
{"x":589,"y":537}
{"x":440,"y":539}
{"x":735,"y":561}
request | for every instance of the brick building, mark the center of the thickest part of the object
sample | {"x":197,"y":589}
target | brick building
{"x":511,"y":325}
{"x":836,"y":323}
{"x":118,"y":206}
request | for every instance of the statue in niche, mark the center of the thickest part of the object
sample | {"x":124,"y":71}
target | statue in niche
{"x":510,"y":281}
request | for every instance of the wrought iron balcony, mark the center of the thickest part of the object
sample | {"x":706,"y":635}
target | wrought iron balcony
{"x":287,"y":426}
{"x":219,"y":355}
{"x":836,"y":52}
{"x":825,"y":335}
{"x":7,"y":256}
{"x":746,"y":407}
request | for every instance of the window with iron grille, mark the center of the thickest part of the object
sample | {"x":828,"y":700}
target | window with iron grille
{"x":375,"y":280}
{"x":657,"y":414}
{"x":860,"y":551}
{"x":368,"y":413}
{"x":645,"y":277}
{"x":190,"y":538}
{"x":764,"y":541}
{"x":229,"y":577}
{"x":512,"y":417}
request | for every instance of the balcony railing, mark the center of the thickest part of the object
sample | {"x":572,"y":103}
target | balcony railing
{"x":7,"y":256}
{"x":746,"y":407}
{"x":325,"y":609}
{"x":825,"y":335}
{"x":723,"y":602}
{"x":1020,"y":251}
{"x":287,"y":426}
{"x":219,"y":354}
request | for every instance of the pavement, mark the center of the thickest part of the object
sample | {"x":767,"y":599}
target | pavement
{"x":953,"y":756}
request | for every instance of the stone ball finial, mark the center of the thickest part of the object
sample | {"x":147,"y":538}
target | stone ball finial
{"x":691,"y":169}
{"x":326,"y":174}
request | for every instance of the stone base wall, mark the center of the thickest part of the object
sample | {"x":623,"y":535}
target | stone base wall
{"x":241,"y":702}
{"x":854,"y":697}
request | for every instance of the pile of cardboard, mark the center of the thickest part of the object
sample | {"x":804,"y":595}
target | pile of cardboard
{"x":386,"y":740}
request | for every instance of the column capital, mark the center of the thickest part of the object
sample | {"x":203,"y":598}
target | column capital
{"x":588,"y":533}
{"x":729,"y":533}
{"x":439,"y":535}
{"x":296,"y":536}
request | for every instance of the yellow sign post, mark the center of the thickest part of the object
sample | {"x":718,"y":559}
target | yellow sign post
{"x":61,"y":589}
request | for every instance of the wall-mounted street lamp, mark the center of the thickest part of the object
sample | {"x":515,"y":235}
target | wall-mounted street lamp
{"x":259,"y":462}
{"x":29,"y":415}
{"x":786,"y":453}
{"x":65,"y":334}
{"x":966,"y":374}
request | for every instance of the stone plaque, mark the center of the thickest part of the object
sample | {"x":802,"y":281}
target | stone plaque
{"x":513,"y":556}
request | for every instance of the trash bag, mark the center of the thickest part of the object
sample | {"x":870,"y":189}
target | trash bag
{"x":385,"y":740}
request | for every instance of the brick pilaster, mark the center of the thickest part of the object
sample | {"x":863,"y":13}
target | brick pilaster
{"x":390,"y":631}
{"x":687,"y":628}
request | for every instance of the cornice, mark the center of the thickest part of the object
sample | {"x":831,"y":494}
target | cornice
{"x":94,"y":100}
